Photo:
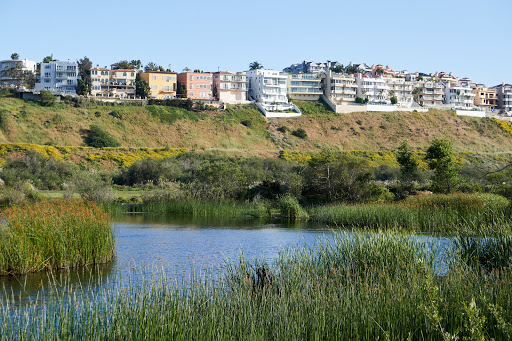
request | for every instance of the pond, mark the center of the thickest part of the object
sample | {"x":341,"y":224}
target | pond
{"x":149,"y":245}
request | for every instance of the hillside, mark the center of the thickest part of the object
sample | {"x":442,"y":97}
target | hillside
{"x":243,"y":129}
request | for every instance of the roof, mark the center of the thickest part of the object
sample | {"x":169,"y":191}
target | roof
{"x":166,"y":72}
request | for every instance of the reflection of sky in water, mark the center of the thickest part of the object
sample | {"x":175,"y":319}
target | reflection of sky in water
{"x":146,"y":246}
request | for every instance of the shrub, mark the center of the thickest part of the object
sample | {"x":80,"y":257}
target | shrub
{"x":116,"y":114}
{"x":98,"y":138}
{"x":300,"y":133}
{"x":47,"y":99}
{"x":91,"y":187}
{"x":289,"y":207}
{"x":247,"y":123}
{"x":283,"y":129}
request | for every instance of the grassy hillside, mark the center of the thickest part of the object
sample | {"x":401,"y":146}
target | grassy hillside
{"x":243,"y":129}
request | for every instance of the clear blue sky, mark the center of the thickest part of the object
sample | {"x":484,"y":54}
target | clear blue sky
{"x":469,"y":38}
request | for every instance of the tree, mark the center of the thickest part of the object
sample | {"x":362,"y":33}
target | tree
{"x":415,"y":94}
{"x":48,"y":59}
{"x":18,"y":75}
{"x":393,"y":100}
{"x":186,"y":69}
{"x":338,"y":68}
{"x":352,"y":69}
{"x":123,"y":64}
{"x":137,"y":64}
{"x":84,"y":84}
{"x":151,"y":67}
{"x":98,"y":138}
{"x":15,"y":56}
{"x":181,"y":91}
{"x":47,"y":99}
{"x":440,"y":159}
{"x":379,"y":71}
{"x":408,"y":164}
{"x":142,"y":88}
{"x":255,"y":66}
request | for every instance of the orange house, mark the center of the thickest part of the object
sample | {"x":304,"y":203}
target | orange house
{"x":198,"y":85}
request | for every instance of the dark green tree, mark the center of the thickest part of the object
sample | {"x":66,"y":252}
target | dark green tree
{"x":394,"y":100}
{"x":152,"y":67}
{"x":142,"y":88}
{"x":338,"y":68}
{"x":47,"y":98}
{"x":15,"y":56}
{"x":98,"y":138}
{"x":48,"y":59}
{"x":84,"y":84}
{"x":255,"y":66}
{"x":123,"y":64}
{"x":440,"y":159}
{"x":137,"y":64}
{"x":408,"y":163}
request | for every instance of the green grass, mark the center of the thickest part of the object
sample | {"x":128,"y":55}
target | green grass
{"x":361,"y":286}
{"x":312,"y":108}
{"x":471,"y":213}
{"x":54,"y":234}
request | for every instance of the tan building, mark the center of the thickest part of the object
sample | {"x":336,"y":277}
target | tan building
{"x":430,"y":94}
{"x":198,"y":85}
{"x":304,"y":86}
{"x":230,"y":87}
{"x":340,"y":87}
{"x":113,"y":83}
{"x":162,"y":84}
{"x":485,"y":99}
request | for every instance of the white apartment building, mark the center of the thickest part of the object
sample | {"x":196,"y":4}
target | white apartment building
{"x":304,"y":86}
{"x":431,"y":94}
{"x":269,"y":88}
{"x":6,"y":78}
{"x":113,"y":83}
{"x":459,"y":96}
{"x":374,"y":89}
{"x":401,"y":89}
{"x":230,"y":87}
{"x":504,"y":96}
{"x":340,"y":88}
{"x":59,"y":77}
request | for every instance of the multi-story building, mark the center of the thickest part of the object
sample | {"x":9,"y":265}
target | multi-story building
{"x":269,"y":88}
{"x":304,"y":86}
{"x":339,"y":87}
{"x":485,"y":99}
{"x":401,"y":90}
{"x":504,"y":96}
{"x":59,"y":77}
{"x":163,"y":85}
{"x":430,"y":93}
{"x":198,"y":85}
{"x":311,"y":67}
{"x":459,"y":96}
{"x":118,"y":83}
{"x":10,"y":78}
{"x":230,"y":87}
{"x":374,"y":89}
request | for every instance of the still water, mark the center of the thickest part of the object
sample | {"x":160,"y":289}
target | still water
{"x":149,"y":245}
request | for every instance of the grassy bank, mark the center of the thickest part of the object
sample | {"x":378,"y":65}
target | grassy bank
{"x":54,"y":234}
{"x":471,"y":213}
{"x":360,"y":286}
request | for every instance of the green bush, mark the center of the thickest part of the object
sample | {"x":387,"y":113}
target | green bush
{"x":246,"y":123}
{"x":289,"y":207}
{"x":47,"y":99}
{"x":300,"y":133}
{"x":98,"y":138}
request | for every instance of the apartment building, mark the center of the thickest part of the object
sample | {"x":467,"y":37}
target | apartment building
{"x":59,"y":77}
{"x":269,"y":88}
{"x":340,"y":88}
{"x":459,"y":96}
{"x":230,"y":87}
{"x":504,"y":96}
{"x":198,"y":85}
{"x":311,"y":67}
{"x":401,"y":89}
{"x":430,"y":93}
{"x":9,"y":78}
{"x":304,"y":86}
{"x":118,"y":83}
{"x":376,"y":90}
{"x":485,"y":99}
{"x":163,"y":85}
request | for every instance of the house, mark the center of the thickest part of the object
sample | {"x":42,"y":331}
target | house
{"x":163,"y":85}
{"x":269,"y":89}
{"x":429,"y":93}
{"x":118,"y":83}
{"x":376,"y":90}
{"x":10,"y":78}
{"x":504,"y":92}
{"x":311,"y":67}
{"x":340,"y":88}
{"x":459,"y":96}
{"x":304,"y":86}
{"x":230,"y":87}
{"x":401,"y":90}
{"x":59,"y":77}
{"x":485,"y":99}
{"x":198,"y":85}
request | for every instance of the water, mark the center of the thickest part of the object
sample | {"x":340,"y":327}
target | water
{"x":147,"y":245}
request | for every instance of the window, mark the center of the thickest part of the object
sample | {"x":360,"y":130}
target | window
{"x":153,"y":87}
{"x":191,"y":78}
{"x":133,"y":74}
{"x":124,"y":74}
{"x":155,"y":78}
{"x":191,"y":94}
{"x":191,"y":86}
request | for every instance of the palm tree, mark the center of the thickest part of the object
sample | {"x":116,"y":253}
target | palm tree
{"x":15,"y":56}
{"x":255,"y":66}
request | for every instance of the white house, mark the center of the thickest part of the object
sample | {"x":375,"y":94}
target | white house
{"x":374,"y":89}
{"x":401,"y":89}
{"x":6,"y":79}
{"x":268,"y":88}
{"x":459,"y":96}
{"x":230,"y":87}
{"x":59,"y":77}
{"x":304,"y":86}
{"x":504,"y":92}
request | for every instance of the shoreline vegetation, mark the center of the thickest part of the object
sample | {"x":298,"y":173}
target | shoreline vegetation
{"x":361,"y":285}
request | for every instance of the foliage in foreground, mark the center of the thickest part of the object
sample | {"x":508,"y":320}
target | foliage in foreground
{"x":54,"y":234}
{"x":360,"y":286}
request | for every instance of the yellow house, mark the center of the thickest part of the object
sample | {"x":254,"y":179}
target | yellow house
{"x":162,"y":84}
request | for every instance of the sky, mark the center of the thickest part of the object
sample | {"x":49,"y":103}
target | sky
{"x":469,"y":38}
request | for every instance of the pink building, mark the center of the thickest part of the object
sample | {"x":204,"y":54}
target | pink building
{"x":197,"y":84}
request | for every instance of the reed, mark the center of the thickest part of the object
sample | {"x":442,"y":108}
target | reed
{"x":54,"y":234}
{"x":360,"y":286}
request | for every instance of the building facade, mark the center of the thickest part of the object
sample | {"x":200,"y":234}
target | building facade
{"x":269,"y":88}
{"x":429,"y":93}
{"x":59,"y":77}
{"x":10,"y":71}
{"x":504,"y":92}
{"x":459,"y":96}
{"x":485,"y":99}
{"x":163,"y":85}
{"x":304,"y":86}
{"x":113,"y":83}
{"x":340,"y":88}
{"x":401,"y":90}
{"x":230,"y":87}
{"x":374,"y":89}
{"x":198,"y":85}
